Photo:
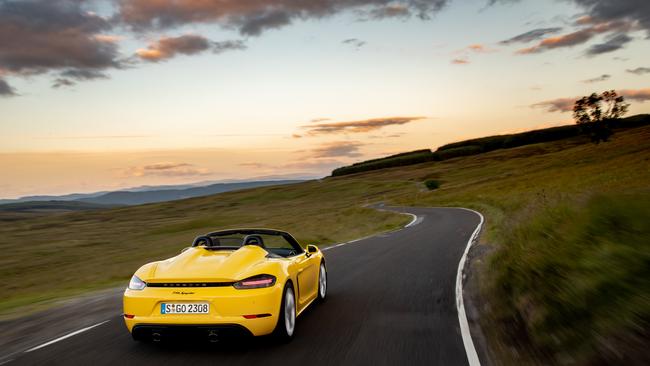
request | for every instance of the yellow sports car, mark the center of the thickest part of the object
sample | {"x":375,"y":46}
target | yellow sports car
{"x":231,"y":282}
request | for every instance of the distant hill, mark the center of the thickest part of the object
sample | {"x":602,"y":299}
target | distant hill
{"x":65,"y":197}
{"x":162,"y":195}
{"x":143,"y":194}
{"x":51,"y":206}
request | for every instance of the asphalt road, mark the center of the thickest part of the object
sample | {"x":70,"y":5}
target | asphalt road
{"x":391,"y":301}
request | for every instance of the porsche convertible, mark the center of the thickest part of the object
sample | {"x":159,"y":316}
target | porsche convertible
{"x":228,"y":283}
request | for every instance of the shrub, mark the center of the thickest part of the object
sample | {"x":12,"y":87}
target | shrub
{"x":458,"y":151}
{"x":432,"y":184}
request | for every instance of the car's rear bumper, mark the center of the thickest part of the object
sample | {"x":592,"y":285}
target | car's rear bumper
{"x":229,"y":308}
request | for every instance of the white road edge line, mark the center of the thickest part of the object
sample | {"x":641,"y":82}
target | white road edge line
{"x":66,"y":336}
{"x":472,"y":356}
{"x":415,"y":218}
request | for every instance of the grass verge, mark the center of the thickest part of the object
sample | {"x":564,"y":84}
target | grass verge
{"x":574,"y":280}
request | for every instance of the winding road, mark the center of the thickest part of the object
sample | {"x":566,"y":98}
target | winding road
{"x":391,"y":301}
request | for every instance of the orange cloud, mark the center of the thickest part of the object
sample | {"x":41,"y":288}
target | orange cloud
{"x":189,"y":44}
{"x":639,"y":95}
{"x":460,"y":61}
{"x":479,"y":48}
{"x":168,"y":47}
{"x":578,"y":37}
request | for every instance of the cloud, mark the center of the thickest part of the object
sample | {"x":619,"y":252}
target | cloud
{"x":70,"y":78}
{"x":478,"y":48}
{"x":566,"y":104}
{"x":357,"y":126}
{"x":166,"y":169}
{"x":315,"y":120}
{"x":639,"y":70}
{"x":223,"y":46}
{"x":639,"y":95}
{"x":354,"y":42}
{"x":600,"y":78}
{"x":309,"y":163}
{"x":460,"y":61}
{"x":576,"y":38}
{"x":462,"y":55}
{"x":166,"y":166}
{"x":253,"y":17}
{"x":630,"y":11}
{"x":254,"y":165}
{"x":39,"y":36}
{"x":6,"y":90}
{"x":338,"y":149}
{"x":386,"y":136}
{"x":313,"y":164}
{"x":557,"y":105}
{"x":637,"y":11}
{"x":82,"y":75}
{"x":614,"y":43}
{"x":533,"y":35}
{"x":189,"y":44}
{"x":394,"y":10}
{"x":61,"y":82}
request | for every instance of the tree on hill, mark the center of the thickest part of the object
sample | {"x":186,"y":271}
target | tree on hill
{"x":596,"y":113}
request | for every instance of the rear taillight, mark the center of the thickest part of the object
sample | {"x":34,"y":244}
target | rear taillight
{"x":255,"y":282}
{"x":136,"y":283}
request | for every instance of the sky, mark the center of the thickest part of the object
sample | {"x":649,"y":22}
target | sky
{"x":109,"y":94}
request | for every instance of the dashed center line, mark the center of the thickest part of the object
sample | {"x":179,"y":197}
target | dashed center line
{"x":66,"y":336}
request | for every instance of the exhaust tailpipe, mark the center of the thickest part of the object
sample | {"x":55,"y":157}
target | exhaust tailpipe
{"x":155,"y":336}
{"x":213,"y":336}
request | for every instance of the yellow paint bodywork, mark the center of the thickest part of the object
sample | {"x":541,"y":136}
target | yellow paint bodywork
{"x":228,"y":305}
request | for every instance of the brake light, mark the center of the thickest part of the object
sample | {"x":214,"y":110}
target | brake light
{"x":129,"y":316}
{"x":255,"y":282}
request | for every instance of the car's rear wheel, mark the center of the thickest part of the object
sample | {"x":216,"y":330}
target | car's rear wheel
{"x":322,"y":282}
{"x":287,"y":320}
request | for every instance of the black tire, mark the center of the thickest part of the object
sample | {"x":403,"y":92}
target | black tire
{"x":284,"y":330}
{"x":322,"y":282}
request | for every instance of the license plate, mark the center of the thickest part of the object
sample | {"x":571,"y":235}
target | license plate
{"x":184,"y":308}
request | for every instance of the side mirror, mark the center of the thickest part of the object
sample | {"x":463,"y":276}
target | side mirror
{"x":312,"y":249}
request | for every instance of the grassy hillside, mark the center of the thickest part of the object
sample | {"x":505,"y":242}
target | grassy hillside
{"x":548,"y":215}
{"x":56,"y":255}
{"x":482,"y":145}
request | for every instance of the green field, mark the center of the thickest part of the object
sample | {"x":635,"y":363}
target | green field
{"x":568,"y":220}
